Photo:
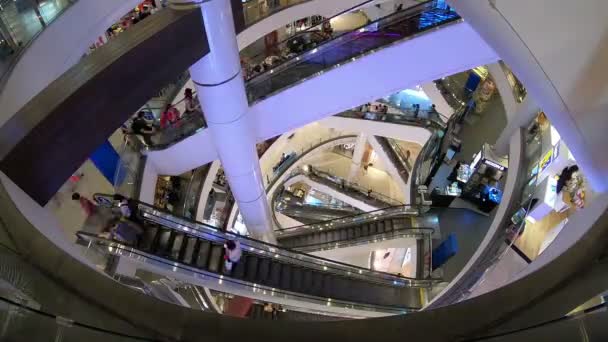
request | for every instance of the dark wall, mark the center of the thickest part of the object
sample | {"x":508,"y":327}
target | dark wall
{"x":49,"y":138}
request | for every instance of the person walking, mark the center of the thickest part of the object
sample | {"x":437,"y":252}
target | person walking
{"x":142,"y":128}
{"x":86,"y":204}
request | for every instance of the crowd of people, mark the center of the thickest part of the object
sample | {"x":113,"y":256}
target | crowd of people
{"x":170,"y":118}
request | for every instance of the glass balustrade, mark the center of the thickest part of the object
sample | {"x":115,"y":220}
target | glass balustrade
{"x":327,"y":51}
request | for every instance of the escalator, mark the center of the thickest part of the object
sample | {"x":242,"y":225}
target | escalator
{"x":333,"y":52}
{"x":384,"y":224}
{"x":346,"y":191}
{"x":177,"y":243}
{"x":296,"y":208}
{"x":395,"y":158}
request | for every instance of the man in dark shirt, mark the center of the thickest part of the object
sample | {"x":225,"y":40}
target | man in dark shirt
{"x":141,"y":127}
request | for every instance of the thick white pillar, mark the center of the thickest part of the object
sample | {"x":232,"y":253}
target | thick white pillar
{"x":221,"y":91}
{"x":524,"y":113}
{"x":356,"y":166}
{"x":555,"y":47}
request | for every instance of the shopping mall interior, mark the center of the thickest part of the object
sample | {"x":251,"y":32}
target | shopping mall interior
{"x":345,"y":170}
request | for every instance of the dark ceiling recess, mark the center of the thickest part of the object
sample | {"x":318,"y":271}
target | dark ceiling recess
{"x":52,"y":135}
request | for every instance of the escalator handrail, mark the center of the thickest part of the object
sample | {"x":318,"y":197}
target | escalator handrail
{"x":416,"y":9}
{"x":119,"y":246}
{"x":217,"y":232}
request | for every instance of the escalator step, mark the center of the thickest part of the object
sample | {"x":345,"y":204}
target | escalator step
{"x":238,"y":270}
{"x":365,"y":229}
{"x":333,"y":236}
{"x":263,"y":271}
{"x":297,"y":275}
{"x":343,"y":234}
{"x":285,"y":282}
{"x":380,"y":226}
{"x":358,"y":231}
{"x":307,"y":280}
{"x":350,"y":233}
{"x":275,"y":274}
{"x":372,"y":228}
{"x":170,"y":242}
{"x":147,"y":240}
{"x":176,"y":247}
{"x":322,"y":237}
{"x":189,"y":252}
{"x":251,"y":270}
{"x":316,"y":288}
{"x":311,"y":239}
{"x":326,"y":285}
{"x":202,"y":259}
{"x":216,"y":260}
{"x":388,"y":225}
{"x":163,"y":242}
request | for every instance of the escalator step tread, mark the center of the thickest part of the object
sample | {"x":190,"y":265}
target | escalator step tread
{"x":316,"y":287}
{"x":176,"y":246}
{"x":388,"y":225}
{"x":297,"y":275}
{"x":285,"y":282}
{"x":350,"y":233}
{"x":252,"y":268}
{"x":322,"y":237}
{"x":372,"y":228}
{"x":216,"y":260}
{"x":326,"y":285}
{"x":275,"y":274}
{"x":380,"y":226}
{"x":306,"y":280}
{"x":202,"y":259}
{"x":238,"y":270}
{"x":365,"y":229}
{"x":263,"y":270}
{"x":163,"y":242}
{"x":147,"y":240}
{"x":190,"y":246}
{"x":343,"y":234}
{"x":358,"y":230}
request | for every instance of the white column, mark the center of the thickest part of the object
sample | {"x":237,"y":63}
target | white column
{"x":221,"y":91}
{"x":524,"y":113}
{"x":356,"y":166}
{"x":562,"y":69}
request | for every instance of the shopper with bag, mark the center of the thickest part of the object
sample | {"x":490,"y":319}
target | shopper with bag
{"x":232,"y":254}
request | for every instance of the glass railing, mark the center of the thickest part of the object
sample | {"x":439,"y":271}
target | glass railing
{"x":380,"y":33}
{"x":214,"y":234}
{"x":23,"y":323}
{"x":366,"y":195}
{"x":193,"y":192}
{"x":127,"y":179}
{"x":20,"y":23}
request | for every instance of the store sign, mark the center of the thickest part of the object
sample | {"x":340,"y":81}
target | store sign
{"x":549,"y":157}
{"x":494,"y":165}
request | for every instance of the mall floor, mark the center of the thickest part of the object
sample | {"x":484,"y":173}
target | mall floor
{"x":469,"y":229}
